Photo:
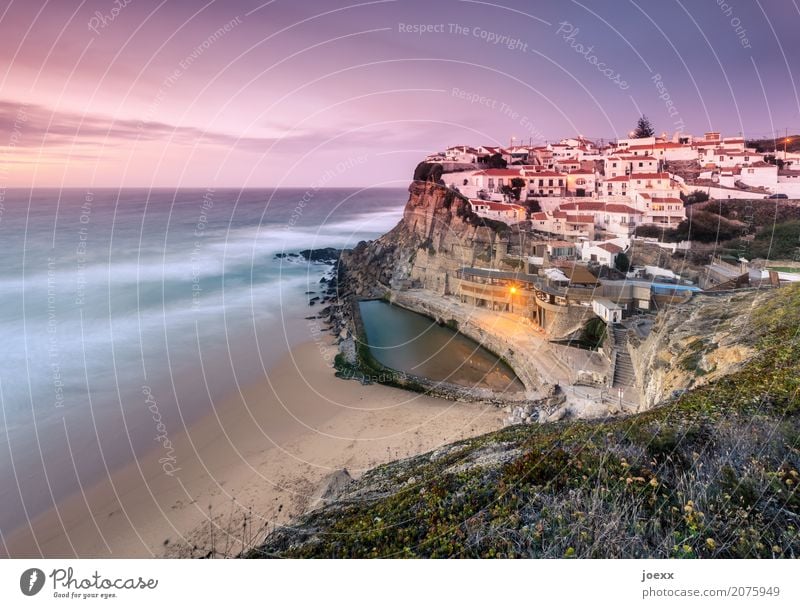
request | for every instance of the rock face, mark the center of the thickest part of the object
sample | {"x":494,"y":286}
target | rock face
{"x":438,"y":233}
{"x":694,"y":343}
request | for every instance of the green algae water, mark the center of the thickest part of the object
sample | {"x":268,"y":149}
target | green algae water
{"x":413,"y":343}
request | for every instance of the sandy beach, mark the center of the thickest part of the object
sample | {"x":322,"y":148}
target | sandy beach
{"x":260,"y":458}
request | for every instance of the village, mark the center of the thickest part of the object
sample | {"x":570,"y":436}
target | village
{"x":586,"y":202}
{"x":565,"y":270}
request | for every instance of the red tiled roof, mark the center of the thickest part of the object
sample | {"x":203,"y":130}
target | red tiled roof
{"x":544,"y":174}
{"x":649,"y":175}
{"x":593,"y":206}
{"x":667,"y":200}
{"x":618,"y":208}
{"x":580,"y":219}
{"x":610,"y":247}
{"x":500,"y":172}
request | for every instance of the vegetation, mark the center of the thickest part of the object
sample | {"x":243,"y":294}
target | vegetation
{"x":594,"y":332}
{"x":697,"y":196}
{"x":496,"y":161}
{"x":656,"y":232}
{"x":770,"y":144}
{"x":532,"y":206}
{"x":517,"y":184}
{"x":707,"y":228}
{"x":778,"y":242}
{"x":755,"y":213}
{"x":643,"y":128}
{"x":622,"y":263}
{"x":711,"y":474}
{"x":428,"y":172}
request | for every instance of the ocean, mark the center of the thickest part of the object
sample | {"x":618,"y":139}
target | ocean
{"x":118,"y":303}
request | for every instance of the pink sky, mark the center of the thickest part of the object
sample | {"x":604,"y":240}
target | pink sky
{"x":230,"y":94}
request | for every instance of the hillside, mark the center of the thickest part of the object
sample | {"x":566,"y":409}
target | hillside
{"x":770,"y":144}
{"x":712,"y":472}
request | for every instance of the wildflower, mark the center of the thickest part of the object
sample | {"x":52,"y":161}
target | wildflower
{"x":711,"y":543}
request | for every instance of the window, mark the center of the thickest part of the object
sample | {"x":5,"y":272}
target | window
{"x":641,"y":164}
{"x":491,"y":182}
{"x":580,"y":181}
{"x":550,"y":182}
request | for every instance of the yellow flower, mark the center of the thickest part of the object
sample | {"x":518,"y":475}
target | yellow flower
{"x":711,"y":544}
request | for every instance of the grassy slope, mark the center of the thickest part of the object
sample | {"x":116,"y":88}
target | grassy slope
{"x":712,"y":474}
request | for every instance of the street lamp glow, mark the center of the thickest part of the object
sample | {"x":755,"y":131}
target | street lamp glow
{"x":513,"y":290}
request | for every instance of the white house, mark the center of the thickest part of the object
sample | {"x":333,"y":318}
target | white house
{"x":494,"y":180}
{"x":666,"y":211}
{"x":616,"y":218}
{"x":505,"y":212}
{"x":581,"y":182}
{"x":616,"y":166}
{"x":760,"y":174}
{"x":607,"y":310}
{"x":728,"y":158}
{"x":546,"y":183}
{"x":563,"y":224}
{"x":604,"y":253}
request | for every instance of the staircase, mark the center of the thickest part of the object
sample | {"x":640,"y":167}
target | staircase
{"x":624,"y":376}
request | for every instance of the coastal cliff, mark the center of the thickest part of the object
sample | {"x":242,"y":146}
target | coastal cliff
{"x":710,"y":472}
{"x":438,"y":234}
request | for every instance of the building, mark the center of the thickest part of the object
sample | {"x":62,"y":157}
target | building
{"x":667,"y":211}
{"x":607,"y":310}
{"x":616,"y":166}
{"x":563,"y":224}
{"x":496,"y":289}
{"x":546,"y":183}
{"x":581,"y":182}
{"x":604,"y":253}
{"x":617,"y":218}
{"x":493,"y":181}
{"x":507,"y":213}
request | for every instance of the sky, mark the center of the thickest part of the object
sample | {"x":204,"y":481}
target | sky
{"x":253,"y":93}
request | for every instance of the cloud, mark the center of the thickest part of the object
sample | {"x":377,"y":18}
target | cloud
{"x":36,"y":126}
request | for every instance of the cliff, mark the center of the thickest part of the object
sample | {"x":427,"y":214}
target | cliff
{"x":695,"y":343}
{"x":711,"y":472}
{"x":438,"y":233}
